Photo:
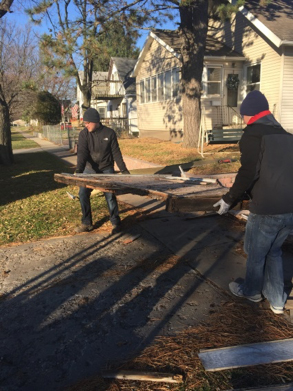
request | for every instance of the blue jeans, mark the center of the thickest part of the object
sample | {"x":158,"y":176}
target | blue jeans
{"x":85,"y":203}
{"x":264,"y":237}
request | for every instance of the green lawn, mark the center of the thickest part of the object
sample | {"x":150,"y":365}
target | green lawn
{"x":21,"y":142}
{"x":34,"y":206}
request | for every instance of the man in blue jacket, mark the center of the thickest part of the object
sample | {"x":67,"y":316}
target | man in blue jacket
{"x":97,"y":150}
{"x":266,"y":177}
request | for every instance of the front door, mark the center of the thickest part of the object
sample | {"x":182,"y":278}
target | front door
{"x":231,"y":94}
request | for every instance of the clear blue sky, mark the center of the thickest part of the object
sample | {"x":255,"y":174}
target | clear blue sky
{"x":21,"y":19}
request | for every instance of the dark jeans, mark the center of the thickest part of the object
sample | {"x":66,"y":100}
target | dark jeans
{"x":264,"y":237}
{"x":85,"y":203}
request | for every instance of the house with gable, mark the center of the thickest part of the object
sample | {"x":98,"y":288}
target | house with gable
{"x":122,"y":93}
{"x":99,"y":91}
{"x":114,"y":95}
{"x":158,"y":74}
{"x":264,"y":35}
{"x":252,"y":51}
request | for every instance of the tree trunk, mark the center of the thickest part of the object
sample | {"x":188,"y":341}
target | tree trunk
{"x":193,"y":30}
{"x":6,"y":156}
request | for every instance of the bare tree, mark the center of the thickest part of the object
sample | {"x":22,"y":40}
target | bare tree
{"x":75,"y":39}
{"x":18,"y":65}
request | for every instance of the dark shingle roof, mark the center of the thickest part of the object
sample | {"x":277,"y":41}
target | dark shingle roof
{"x":125,"y":67}
{"x":213,"y":46}
{"x":277,"y":16}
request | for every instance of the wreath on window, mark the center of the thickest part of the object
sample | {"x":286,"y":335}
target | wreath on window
{"x":232,"y":82}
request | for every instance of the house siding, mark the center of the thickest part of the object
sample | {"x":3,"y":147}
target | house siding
{"x":257,"y":49}
{"x":286,"y":102}
{"x":159,"y":119}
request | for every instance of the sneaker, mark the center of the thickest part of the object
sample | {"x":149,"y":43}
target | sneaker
{"x":116,"y":229}
{"x":277,"y":310}
{"x":236,"y":289}
{"x":84,"y":228}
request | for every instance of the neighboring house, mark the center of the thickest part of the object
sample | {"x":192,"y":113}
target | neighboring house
{"x":158,"y":72}
{"x":114,"y":95}
{"x":122,"y":92}
{"x":253,"y":51}
{"x":99,"y":94}
{"x":264,"y":35}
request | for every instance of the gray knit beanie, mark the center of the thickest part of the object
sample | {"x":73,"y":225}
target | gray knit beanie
{"x":91,"y":115}
{"x":254,"y":103}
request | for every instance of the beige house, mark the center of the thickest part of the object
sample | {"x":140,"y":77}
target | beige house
{"x":254,"y":51}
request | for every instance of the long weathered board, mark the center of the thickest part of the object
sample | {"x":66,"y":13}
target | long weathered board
{"x":180,"y":194}
{"x":247,"y":355}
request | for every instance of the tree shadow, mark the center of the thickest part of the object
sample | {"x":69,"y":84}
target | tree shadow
{"x":32,"y":174}
{"x":90,"y":302}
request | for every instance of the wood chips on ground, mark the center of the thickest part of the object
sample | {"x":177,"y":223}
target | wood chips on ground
{"x":235,"y":323}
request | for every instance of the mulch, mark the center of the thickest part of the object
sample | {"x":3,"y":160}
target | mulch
{"x":235,"y":323}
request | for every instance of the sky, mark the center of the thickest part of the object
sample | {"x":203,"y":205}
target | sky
{"x":21,"y":19}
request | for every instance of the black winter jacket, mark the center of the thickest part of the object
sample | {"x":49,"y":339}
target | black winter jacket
{"x":99,"y":149}
{"x":266,"y":168}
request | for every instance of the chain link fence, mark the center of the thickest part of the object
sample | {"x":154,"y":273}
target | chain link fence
{"x":67,"y":135}
{"x":63,"y":134}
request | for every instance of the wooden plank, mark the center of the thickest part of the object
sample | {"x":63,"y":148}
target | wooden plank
{"x":191,"y":204}
{"x":278,"y":387}
{"x":247,"y":355}
{"x":174,"y":192}
{"x":143,"y":376}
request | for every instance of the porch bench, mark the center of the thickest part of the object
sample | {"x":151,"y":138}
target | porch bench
{"x":224,"y":136}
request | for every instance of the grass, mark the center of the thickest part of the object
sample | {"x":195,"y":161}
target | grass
{"x":166,"y":153}
{"x":33,"y":206}
{"x":21,"y":142}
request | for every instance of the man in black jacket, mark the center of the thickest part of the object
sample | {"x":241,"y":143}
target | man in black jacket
{"x":97,"y":150}
{"x":266,"y":177}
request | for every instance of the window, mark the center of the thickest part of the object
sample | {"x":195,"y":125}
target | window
{"x":102,"y":112}
{"x":214,"y":81}
{"x":147,"y":90}
{"x":253,"y":77}
{"x":154,"y":88}
{"x":175,"y":82}
{"x":124,"y":110}
{"x":168,"y":85}
{"x":141,"y":87}
{"x":161,"y":87}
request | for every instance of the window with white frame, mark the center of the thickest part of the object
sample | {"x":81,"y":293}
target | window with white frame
{"x":160,"y":87}
{"x":141,"y":88}
{"x":102,"y":112}
{"x":148,"y":90}
{"x":214,"y":81}
{"x":168,"y":85}
{"x":154,"y":88}
{"x":253,"y":77}
{"x":175,"y":82}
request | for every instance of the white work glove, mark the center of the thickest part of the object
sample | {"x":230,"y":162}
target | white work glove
{"x":223,"y":207}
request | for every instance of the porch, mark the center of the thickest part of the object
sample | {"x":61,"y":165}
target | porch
{"x":219,"y":125}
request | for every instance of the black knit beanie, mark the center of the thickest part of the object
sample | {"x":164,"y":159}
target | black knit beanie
{"x":91,"y":115}
{"x":254,"y":103}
